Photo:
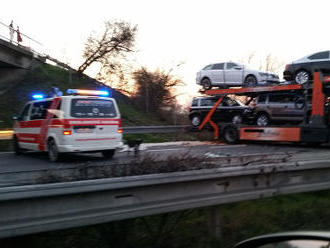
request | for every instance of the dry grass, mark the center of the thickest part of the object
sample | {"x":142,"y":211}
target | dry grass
{"x":143,"y":165}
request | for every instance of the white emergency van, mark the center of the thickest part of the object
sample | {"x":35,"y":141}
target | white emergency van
{"x":86,"y":121}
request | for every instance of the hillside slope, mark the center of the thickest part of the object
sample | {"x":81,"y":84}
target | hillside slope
{"x":43,"y":78}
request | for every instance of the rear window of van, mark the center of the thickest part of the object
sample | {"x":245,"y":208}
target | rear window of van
{"x":93,"y":108}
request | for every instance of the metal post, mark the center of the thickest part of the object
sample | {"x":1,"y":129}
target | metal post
{"x":214,"y":222}
{"x":147,"y":98}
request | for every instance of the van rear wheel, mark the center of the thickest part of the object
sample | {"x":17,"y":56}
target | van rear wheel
{"x":53,"y":154}
{"x":108,"y":153}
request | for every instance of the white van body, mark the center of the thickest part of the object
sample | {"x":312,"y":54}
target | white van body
{"x":71,"y":123}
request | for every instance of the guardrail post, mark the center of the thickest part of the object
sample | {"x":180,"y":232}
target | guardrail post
{"x":214,"y":222}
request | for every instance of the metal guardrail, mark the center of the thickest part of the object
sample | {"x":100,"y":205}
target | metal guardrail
{"x":155,"y":129}
{"x":76,"y":172}
{"x":38,"y":208}
{"x":7,"y":134}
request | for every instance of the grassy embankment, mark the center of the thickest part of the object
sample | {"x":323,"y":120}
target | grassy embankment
{"x":47,"y":76}
{"x":308,"y":211}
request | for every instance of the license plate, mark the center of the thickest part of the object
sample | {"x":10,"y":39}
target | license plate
{"x":83,"y":130}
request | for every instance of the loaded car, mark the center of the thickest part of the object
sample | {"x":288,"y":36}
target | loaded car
{"x":301,"y":71}
{"x":280,"y":107}
{"x":229,"y":110}
{"x":229,"y":74}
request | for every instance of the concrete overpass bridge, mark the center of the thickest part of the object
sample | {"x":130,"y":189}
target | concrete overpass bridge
{"x":16,"y":59}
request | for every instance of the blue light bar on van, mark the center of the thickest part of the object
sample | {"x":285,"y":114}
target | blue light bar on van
{"x":88,"y":92}
{"x":38,"y":96}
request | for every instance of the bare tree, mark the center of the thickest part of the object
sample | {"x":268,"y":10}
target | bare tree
{"x":155,"y":89}
{"x":117,"y":40}
{"x":250,"y":57}
{"x":272,"y":64}
{"x":268,"y":63}
{"x":120,"y":79}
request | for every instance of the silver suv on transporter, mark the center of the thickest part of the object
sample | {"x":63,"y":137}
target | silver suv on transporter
{"x":280,"y":107}
{"x":229,"y":74}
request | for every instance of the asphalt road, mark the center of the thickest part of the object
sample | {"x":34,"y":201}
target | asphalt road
{"x":35,"y":161}
{"x":34,"y":167}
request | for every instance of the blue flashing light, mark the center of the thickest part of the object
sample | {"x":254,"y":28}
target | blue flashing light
{"x":38,"y":96}
{"x":71,"y":91}
{"x":104,"y":93}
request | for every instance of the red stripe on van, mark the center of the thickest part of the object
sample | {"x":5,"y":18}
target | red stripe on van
{"x":46,"y":123}
{"x":95,"y":139}
{"x":31,"y":124}
{"x":28,"y":137}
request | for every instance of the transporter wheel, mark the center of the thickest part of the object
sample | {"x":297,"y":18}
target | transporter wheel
{"x":206,"y":84}
{"x":108,"y":153}
{"x":17,"y":149}
{"x":237,"y":119}
{"x":250,"y":81}
{"x":196,"y":120}
{"x":299,"y":103}
{"x":53,"y":154}
{"x":230,"y":134}
{"x":302,"y":77}
{"x":263,"y":120}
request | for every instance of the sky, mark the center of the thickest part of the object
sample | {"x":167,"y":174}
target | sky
{"x":174,"y":31}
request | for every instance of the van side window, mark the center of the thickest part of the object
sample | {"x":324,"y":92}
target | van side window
{"x":39,"y":110}
{"x":25,"y":113}
{"x":56,"y":112}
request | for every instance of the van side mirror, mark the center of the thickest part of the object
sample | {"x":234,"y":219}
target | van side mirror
{"x":237,"y":68}
{"x":16,"y":118}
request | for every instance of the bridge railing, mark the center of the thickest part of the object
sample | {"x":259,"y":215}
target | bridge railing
{"x":26,"y":43}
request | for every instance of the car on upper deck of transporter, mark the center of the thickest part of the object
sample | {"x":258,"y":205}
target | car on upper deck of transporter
{"x":301,"y":71}
{"x":230,"y":74}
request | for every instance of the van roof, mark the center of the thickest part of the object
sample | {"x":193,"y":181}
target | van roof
{"x":71,"y":97}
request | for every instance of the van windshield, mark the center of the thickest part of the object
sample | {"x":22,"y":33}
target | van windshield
{"x":93,"y":108}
